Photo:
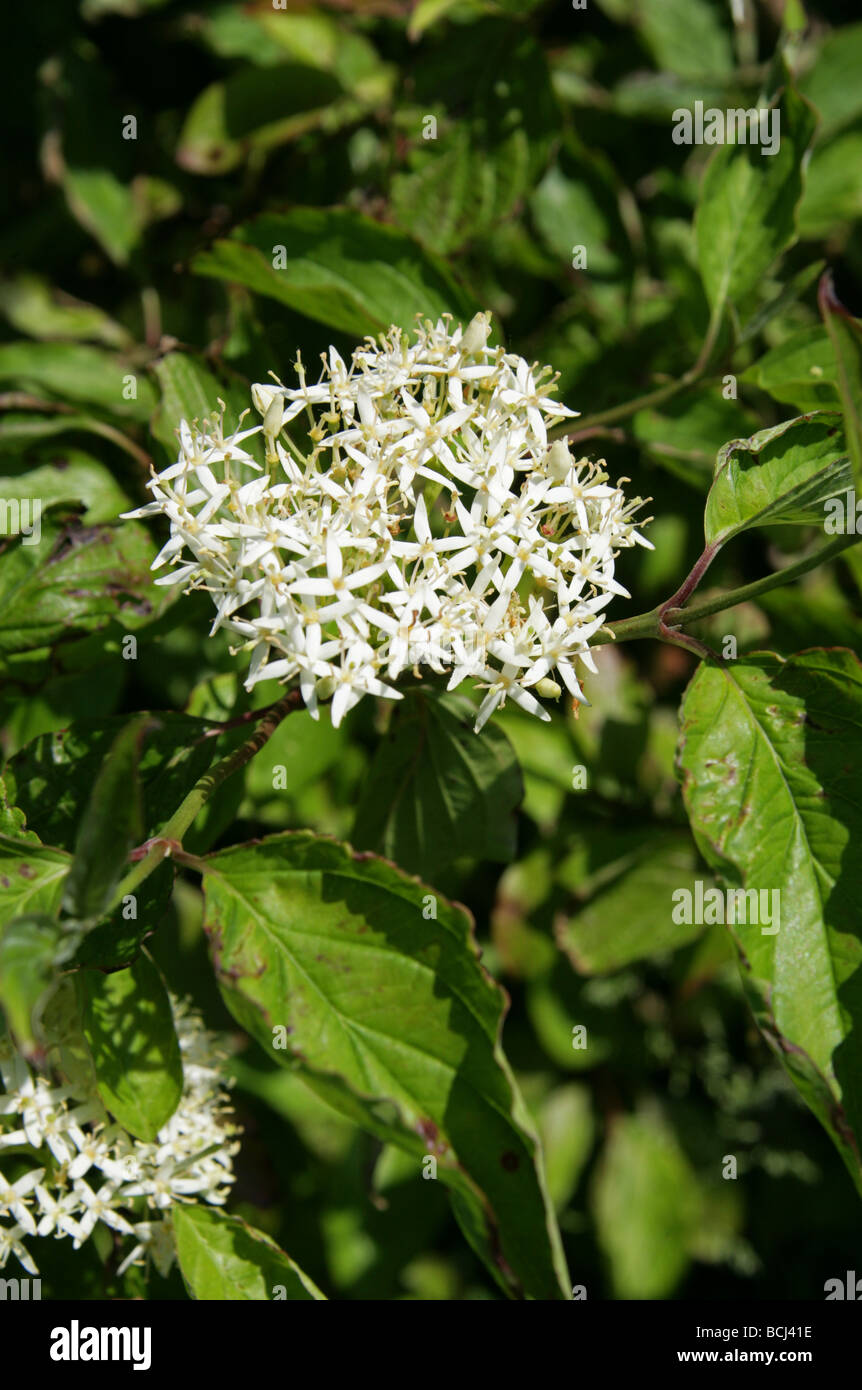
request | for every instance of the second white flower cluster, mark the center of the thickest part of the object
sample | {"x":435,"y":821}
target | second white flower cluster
{"x":80,"y":1169}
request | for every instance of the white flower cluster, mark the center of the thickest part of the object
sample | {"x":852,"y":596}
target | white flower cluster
{"x":430,"y":523}
{"x":90,"y":1170}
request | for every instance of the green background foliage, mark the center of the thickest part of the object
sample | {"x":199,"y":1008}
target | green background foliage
{"x":139,"y":286}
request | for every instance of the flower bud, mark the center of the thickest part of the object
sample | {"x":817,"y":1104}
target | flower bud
{"x":274,"y":416}
{"x":262,"y":394}
{"x":548,"y":689}
{"x":559,"y":461}
{"x":475,"y":335}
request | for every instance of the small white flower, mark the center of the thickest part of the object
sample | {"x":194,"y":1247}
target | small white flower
{"x":98,"y":1206}
{"x":12,"y":1199}
{"x":11,"y":1245}
{"x":57,"y":1214}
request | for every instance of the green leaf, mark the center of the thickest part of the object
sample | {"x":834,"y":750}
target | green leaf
{"x":568,"y":1132}
{"x":129,"y":1027}
{"x":31,"y":950}
{"x":117,"y":940}
{"x":311,"y":38}
{"x":21,"y":428}
{"x":746,"y":213}
{"x":223,"y":1259}
{"x":832,"y":83}
{"x":631,"y":919}
{"x":116,"y":212}
{"x":801,"y":371}
{"x":74,"y":372}
{"x":105,"y":207}
{"x":789,"y":294}
{"x":496,"y":117}
{"x":574,"y":206}
{"x":89,"y":157}
{"x":388,"y":1014}
{"x":436,"y":791}
{"x":657,"y":96}
{"x":95,"y":9}
{"x":81,"y":480}
{"x":111,"y":825}
{"x":685,"y":37}
{"x":300,"y":752}
{"x":189,"y":391}
{"x":31,"y":877}
{"x":434,"y":198}
{"x":258,"y":110}
{"x":845,"y":334}
{"x":574,"y":1025}
{"x":684,"y":435}
{"x":342,"y":269}
{"x":768,"y":755}
{"x":75,"y":580}
{"x":546,"y":755}
{"x":426,"y":13}
{"x":782,"y":474}
{"x":155,"y":199}
{"x":647,"y":1208}
{"x":833,"y":186}
{"x":36,"y":309}
{"x":91,"y":690}
{"x":12,"y":818}
{"x":50,"y":781}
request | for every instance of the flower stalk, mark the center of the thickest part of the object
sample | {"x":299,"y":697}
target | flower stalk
{"x":169,"y":840}
{"x":663,"y":621}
